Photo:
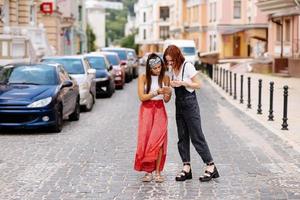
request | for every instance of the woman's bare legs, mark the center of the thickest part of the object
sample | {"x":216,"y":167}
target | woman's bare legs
{"x":158,"y":161}
{"x":158,"y":178}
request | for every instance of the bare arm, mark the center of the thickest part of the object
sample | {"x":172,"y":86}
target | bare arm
{"x":141,"y":88}
{"x":195,"y":84}
{"x":167,"y":90}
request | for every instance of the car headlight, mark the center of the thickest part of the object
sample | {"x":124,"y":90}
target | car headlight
{"x":40,"y":103}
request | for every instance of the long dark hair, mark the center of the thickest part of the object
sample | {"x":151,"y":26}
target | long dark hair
{"x":148,"y":72}
{"x":176,"y":55}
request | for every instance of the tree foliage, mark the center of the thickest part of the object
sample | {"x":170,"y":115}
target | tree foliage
{"x":91,"y":38}
{"x":115,"y":23}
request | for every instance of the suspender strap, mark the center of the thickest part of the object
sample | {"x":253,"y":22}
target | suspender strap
{"x":183,"y":71}
{"x":172,"y":78}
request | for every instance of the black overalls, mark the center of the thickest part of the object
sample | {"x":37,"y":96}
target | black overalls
{"x":189,"y":124}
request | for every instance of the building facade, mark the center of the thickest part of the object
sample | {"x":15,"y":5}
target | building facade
{"x":22,"y":37}
{"x":153,"y":24}
{"x":284,"y":34}
{"x":226,"y":28}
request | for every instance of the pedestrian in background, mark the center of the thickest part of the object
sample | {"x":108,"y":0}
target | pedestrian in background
{"x":153,"y":91}
{"x":185,"y":80}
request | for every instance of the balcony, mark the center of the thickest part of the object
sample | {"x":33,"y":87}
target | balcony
{"x":23,"y":44}
{"x":275,"y":6}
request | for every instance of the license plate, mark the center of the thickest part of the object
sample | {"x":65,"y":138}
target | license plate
{"x":103,"y":88}
{"x":118,"y":78}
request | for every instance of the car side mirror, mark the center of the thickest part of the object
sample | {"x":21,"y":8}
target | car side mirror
{"x":91,"y":71}
{"x":110,"y":67}
{"x":67,"y":83}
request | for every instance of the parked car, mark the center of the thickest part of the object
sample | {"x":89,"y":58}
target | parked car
{"x":79,"y":69}
{"x":35,"y":96}
{"x":118,"y":69}
{"x":133,"y":61}
{"x":105,"y":78}
{"x":123,"y":55}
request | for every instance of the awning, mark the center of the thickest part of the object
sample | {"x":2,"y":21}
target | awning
{"x":226,"y":29}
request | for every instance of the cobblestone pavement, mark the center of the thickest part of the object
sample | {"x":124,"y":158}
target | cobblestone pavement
{"x":93,"y":158}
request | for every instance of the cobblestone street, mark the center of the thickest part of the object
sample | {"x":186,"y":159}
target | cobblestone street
{"x":93,"y":158}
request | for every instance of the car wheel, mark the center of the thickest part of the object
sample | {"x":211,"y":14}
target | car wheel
{"x":90,"y":104}
{"x":110,"y":90}
{"x":76,"y":114}
{"x":58,"y":120}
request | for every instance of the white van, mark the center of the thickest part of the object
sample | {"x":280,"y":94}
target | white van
{"x":187,"y":47}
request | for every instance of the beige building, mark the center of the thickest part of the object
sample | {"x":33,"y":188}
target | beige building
{"x":284,"y":34}
{"x":153,"y":23}
{"x":22,"y":38}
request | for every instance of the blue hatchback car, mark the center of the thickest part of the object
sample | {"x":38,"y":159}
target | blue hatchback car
{"x":34,"y":96}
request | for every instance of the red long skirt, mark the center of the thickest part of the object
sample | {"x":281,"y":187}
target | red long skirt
{"x":152,"y":135}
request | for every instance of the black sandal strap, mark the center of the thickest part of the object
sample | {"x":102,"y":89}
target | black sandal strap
{"x":210,"y":164}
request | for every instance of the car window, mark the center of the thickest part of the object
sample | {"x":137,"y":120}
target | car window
{"x":113,"y":59}
{"x":188,"y":50}
{"x":97,"y":62}
{"x":121,"y":53}
{"x":71,"y":65}
{"x":38,"y":74}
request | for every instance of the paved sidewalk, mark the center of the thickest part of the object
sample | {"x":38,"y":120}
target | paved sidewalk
{"x":292,"y":135}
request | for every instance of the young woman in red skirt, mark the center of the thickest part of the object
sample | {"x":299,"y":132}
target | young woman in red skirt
{"x":153,"y":91}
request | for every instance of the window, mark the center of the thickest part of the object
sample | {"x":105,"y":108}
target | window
{"x":164,"y":32}
{"x":287,"y":30}
{"x":214,"y":11}
{"x":32,"y":16}
{"x":145,"y":36}
{"x":215,"y":43}
{"x":210,"y":42}
{"x":80,"y":13}
{"x":237,"y":9}
{"x":5,"y":12}
{"x":144,"y":17}
{"x":164,"y":13}
{"x":210,"y":12}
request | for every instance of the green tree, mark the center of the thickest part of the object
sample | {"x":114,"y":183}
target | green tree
{"x":128,"y":42}
{"x":115,"y":22}
{"x":91,"y":38}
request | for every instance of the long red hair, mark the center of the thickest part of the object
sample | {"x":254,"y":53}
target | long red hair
{"x":176,"y":55}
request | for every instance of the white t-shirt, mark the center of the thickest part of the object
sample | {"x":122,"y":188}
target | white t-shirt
{"x":189,"y":73}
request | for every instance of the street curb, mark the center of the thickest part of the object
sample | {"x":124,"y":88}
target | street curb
{"x":253,"y":116}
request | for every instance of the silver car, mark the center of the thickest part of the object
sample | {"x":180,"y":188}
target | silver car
{"x":80,"y":70}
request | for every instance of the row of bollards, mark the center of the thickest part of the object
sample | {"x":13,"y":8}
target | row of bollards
{"x":220,"y":77}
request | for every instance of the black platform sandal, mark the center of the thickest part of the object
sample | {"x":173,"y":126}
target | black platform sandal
{"x":183,"y":175}
{"x":209,"y":175}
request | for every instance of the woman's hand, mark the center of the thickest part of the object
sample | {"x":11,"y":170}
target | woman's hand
{"x":179,"y":83}
{"x":175,"y":83}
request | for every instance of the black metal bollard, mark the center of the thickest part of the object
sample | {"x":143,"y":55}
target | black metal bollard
{"x":259,"y":110}
{"x":271,"y":116}
{"x":285,"y":104}
{"x":220,"y":81}
{"x":234,"y":86}
{"x":224,"y":74}
{"x":215,"y":73}
{"x":249,"y":93}
{"x":226,"y":88}
{"x":241,"y":97}
{"x":230,"y":85}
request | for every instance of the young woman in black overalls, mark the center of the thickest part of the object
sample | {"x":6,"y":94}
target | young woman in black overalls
{"x":188,"y":121}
